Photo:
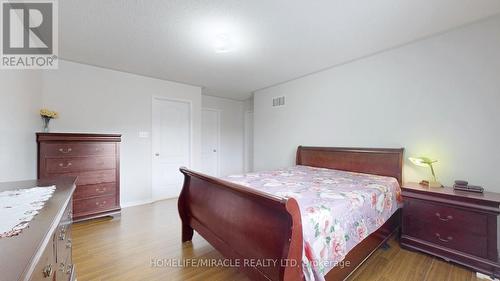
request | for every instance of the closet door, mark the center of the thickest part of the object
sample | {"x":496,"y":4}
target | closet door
{"x":210,"y":141}
{"x":171,"y":137}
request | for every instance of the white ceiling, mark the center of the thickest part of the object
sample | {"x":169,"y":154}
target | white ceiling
{"x":274,"y":40}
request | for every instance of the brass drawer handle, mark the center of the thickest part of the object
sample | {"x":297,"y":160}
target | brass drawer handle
{"x":47,"y":271}
{"x":100,"y":190}
{"x":448,"y":218}
{"x":62,"y":150}
{"x":69,"y":269}
{"x":62,"y":234}
{"x":69,"y":164}
{"x":101,"y":204}
{"x":448,"y":239}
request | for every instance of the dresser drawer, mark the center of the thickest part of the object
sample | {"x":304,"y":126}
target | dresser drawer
{"x":446,"y":216}
{"x":93,"y":190}
{"x":66,"y":270}
{"x":79,"y":164}
{"x":443,"y":235}
{"x":46,"y":267}
{"x":72,"y":149}
{"x":89,"y":177}
{"x":94,"y":205}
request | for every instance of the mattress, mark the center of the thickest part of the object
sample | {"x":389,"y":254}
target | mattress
{"x":338,"y":209}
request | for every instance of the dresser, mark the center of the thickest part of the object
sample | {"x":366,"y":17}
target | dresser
{"x":42,"y":251}
{"x":94,"y":159}
{"x":458,"y":226}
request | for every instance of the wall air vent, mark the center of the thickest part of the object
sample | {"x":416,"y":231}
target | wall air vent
{"x":278,"y":101}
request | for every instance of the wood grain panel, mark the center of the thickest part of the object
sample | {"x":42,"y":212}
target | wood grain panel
{"x":447,"y":217}
{"x":446,"y":236}
{"x":84,"y":207}
{"x":71,"y":149}
{"x":377,"y":161}
{"x":90,"y":177}
{"x":94,"y":190}
{"x":48,"y":259}
{"x":79,"y":164}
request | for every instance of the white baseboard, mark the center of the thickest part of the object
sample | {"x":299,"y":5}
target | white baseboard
{"x":144,"y":202}
{"x":136,"y":203}
{"x":485,"y":277}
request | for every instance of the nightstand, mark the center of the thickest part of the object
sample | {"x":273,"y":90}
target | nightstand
{"x":454,"y":225}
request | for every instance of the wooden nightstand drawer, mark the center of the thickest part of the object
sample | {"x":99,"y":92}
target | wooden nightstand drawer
{"x":450,"y":237}
{"x":446,"y":217}
{"x":457,"y":226}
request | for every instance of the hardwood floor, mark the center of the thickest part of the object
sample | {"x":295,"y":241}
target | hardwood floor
{"x":126,"y":249}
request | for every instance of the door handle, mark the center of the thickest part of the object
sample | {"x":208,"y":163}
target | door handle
{"x":157,"y":154}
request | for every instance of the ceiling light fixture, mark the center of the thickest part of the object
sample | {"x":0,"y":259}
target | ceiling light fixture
{"x":220,"y":36}
{"x":223,"y":43}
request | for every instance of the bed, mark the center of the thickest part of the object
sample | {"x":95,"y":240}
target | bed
{"x":263,"y":231}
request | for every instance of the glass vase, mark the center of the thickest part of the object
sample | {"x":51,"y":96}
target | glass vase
{"x":46,"y":122}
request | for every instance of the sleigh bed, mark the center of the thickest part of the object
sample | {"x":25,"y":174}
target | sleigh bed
{"x":251,"y":226}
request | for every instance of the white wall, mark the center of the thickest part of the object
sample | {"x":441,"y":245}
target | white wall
{"x":231,"y":130}
{"x":438,"y":97}
{"x":19,"y":107}
{"x":92,"y":99}
{"x":248,"y":135}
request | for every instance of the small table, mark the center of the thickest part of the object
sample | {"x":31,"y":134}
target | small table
{"x":458,"y":226}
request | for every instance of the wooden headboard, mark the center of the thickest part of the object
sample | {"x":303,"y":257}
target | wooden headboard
{"x":377,"y":161}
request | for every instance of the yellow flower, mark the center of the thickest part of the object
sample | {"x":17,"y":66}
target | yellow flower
{"x":48,"y":113}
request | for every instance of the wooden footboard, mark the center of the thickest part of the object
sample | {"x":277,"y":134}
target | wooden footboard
{"x":260,"y":233}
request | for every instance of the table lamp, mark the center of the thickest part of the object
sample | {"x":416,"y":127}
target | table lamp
{"x":426,"y":162}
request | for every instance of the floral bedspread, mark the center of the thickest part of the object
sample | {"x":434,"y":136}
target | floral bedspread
{"x":338,"y":209}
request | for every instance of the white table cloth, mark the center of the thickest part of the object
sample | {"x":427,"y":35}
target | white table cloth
{"x":18,"y":207}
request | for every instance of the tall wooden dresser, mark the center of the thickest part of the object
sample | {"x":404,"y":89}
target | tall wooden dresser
{"x":94,"y":159}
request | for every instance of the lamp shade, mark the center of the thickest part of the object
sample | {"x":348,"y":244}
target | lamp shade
{"x":426,"y":162}
{"x":422,"y":161}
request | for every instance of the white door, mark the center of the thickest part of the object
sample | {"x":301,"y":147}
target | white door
{"x":248,"y":141}
{"x":210,"y":131}
{"x":171,"y":143}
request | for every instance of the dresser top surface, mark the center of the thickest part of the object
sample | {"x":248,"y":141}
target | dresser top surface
{"x":19,"y":252}
{"x":449,"y":192}
{"x":41,"y":137}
